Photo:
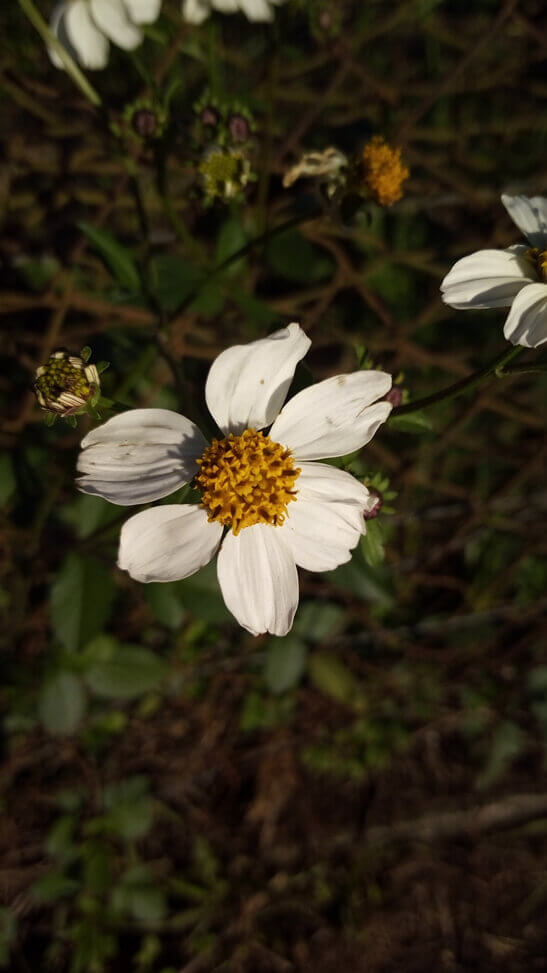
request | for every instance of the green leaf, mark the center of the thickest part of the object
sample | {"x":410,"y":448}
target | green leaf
{"x":172,"y":279}
{"x":61,"y":704}
{"x":372,"y":544}
{"x":81,"y":600}
{"x":60,"y":840}
{"x":231,"y":238}
{"x":330,"y":676}
{"x":54,"y":886}
{"x":7,"y":479}
{"x":292,"y":256}
{"x":8,"y":932}
{"x":317,"y":620}
{"x":164,"y":600}
{"x":285,"y":663}
{"x":130,"y":810}
{"x":119,"y":258}
{"x":121,"y":671}
{"x":414,"y":422}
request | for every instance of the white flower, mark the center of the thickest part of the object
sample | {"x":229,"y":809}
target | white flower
{"x":86,"y":27}
{"x":196,"y":11}
{"x":516,"y":277}
{"x":282,"y":508}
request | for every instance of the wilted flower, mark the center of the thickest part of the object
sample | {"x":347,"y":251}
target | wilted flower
{"x":330,"y":164}
{"x":515,"y":277}
{"x":266,"y":505}
{"x":66,"y":383}
{"x":382,"y":172}
{"x":86,"y":27}
{"x":196,"y":11}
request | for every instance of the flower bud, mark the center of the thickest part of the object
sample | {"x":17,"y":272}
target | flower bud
{"x":65,"y":384}
{"x":376,"y":502}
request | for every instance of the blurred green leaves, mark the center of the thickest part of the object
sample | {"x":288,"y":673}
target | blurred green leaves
{"x":81,"y":600}
{"x":117,"y":257}
{"x":62,"y":703}
{"x":117,"y":671}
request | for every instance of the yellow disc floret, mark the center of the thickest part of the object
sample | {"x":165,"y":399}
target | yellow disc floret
{"x":383,"y":172}
{"x":246,"y":480}
{"x":539,"y":259}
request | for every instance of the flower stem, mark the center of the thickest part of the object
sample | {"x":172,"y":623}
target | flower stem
{"x":297,"y":220}
{"x":79,"y":78}
{"x":497,"y":368}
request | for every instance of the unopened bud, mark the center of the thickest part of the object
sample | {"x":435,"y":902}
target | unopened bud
{"x":145,"y":123}
{"x":395,"y":396}
{"x":239,"y":128}
{"x":375,"y":504}
{"x":209,"y":116}
{"x":65,"y":383}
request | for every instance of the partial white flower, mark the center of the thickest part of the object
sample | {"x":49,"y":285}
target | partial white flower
{"x":196,"y":11}
{"x":86,"y":27}
{"x":280,"y":507}
{"x":516,"y":277}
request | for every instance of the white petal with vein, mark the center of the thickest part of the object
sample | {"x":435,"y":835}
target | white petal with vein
{"x":333,"y":417}
{"x":530,"y":215}
{"x":247,"y":384}
{"x":111,"y":17}
{"x":139,"y":456}
{"x":325,"y":522}
{"x":167,"y":543}
{"x":488,"y":278}
{"x":258,"y":578}
{"x":526,"y":323}
{"x":83,"y":33}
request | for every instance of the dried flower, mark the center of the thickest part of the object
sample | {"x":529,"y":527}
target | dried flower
{"x":382,"y":172}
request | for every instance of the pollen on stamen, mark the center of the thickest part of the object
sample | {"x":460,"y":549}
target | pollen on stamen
{"x":247,"y":480}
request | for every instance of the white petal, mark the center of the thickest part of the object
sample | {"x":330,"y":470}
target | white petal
{"x":333,"y":417}
{"x":89,"y":43}
{"x":247,"y":384}
{"x":139,"y":456}
{"x":487,"y":278}
{"x":195,"y":11}
{"x":326,"y":520}
{"x":168,"y":543}
{"x":530,"y":215}
{"x":143,"y":11}
{"x":56,"y":24}
{"x":257,"y":10}
{"x":527,"y":320}
{"x":111,"y":17}
{"x":258,"y":578}
{"x":225,"y":6}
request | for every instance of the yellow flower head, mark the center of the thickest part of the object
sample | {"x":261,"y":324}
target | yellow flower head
{"x":382,"y":171}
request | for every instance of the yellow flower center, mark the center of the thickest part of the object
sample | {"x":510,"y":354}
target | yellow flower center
{"x":539,"y":259}
{"x":383,"y":172}
{"x":246,"y":480}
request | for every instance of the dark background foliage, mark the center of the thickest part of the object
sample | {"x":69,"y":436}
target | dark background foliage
{"x":366,"y":793}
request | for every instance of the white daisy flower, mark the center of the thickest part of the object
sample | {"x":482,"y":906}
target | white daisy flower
{"x":516,"y":277}
{"x":281,"y":507}
{"x":196,"y":11}
{"x":86,"y":27}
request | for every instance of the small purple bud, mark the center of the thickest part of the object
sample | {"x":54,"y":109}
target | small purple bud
{"x":395,"y":396}
{"x":376,"y":501}
{"x":239,"y":128}
{"x":209,"y":116}
{"x":144,"y":123}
